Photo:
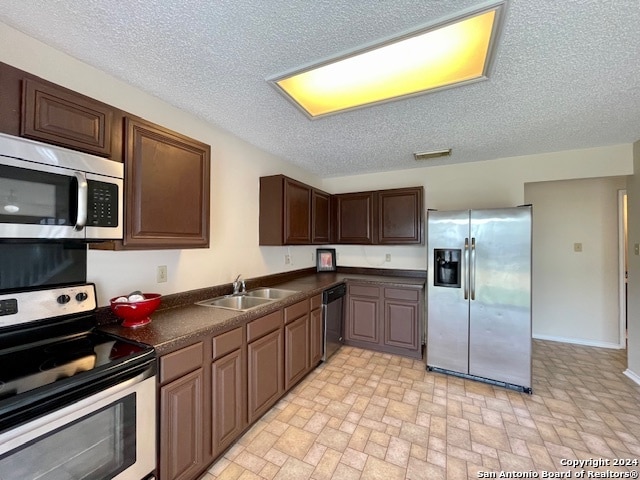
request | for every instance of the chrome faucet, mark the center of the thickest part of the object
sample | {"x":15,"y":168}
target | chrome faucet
{"x":239,"y":287}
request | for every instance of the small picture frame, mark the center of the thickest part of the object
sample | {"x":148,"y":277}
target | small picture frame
{"x":326,"y":260}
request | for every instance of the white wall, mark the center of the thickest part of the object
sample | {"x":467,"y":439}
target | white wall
{"x":575,"y":294}
{"x":235,"y":169}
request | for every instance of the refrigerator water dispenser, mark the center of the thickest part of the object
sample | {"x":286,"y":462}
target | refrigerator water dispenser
{"x":447,"y":263}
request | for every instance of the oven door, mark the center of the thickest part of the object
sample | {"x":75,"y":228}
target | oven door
{"x":52,"y":202}
{"x":109,"y":435}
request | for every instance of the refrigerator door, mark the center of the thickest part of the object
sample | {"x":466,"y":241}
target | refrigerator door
{"x":500,"y":291}
{"x":447,"y":308}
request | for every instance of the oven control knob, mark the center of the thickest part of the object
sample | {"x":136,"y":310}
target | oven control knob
{"x":62,"y":299}
{"x":82,"y":296}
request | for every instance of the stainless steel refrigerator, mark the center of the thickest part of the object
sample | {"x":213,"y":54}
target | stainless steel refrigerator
{"x":479,"y":295}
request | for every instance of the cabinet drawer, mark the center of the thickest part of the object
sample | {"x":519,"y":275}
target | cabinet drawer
{"x":402,"y":294}
{"x":364,"y":290}
{"x":264,"y":325}
{"x":296,"y":310}
{"x":181,"y":362}
{"x":316,"y":302}
{"x":226,"y":342}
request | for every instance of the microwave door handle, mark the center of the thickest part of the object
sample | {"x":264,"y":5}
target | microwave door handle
{"x":83,"y":200}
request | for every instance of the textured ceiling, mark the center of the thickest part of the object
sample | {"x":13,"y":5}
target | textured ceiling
{"x":566,"y":73}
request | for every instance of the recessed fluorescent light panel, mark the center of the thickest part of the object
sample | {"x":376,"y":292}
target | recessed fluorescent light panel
{"x":449,"y":53}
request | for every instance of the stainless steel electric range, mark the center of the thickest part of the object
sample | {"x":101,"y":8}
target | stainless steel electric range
{"x":75,"y":403}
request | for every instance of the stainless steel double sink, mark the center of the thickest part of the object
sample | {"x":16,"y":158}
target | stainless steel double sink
{"x":248,"y":300}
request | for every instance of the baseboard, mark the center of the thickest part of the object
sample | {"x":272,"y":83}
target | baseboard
{"x":632,"y":376}
{"x":578,"y":341}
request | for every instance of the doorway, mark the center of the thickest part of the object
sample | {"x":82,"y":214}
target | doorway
{"x":622,"y":266}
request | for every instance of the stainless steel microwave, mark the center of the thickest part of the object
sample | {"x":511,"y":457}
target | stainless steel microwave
{"x":48,"y":192}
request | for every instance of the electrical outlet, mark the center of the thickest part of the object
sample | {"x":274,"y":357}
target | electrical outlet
{"x":161,"y":274}
{"x":287,"y":259}
{"x":636,"y":249}
{"x":387,"y":257}
{"x":577,"y":247}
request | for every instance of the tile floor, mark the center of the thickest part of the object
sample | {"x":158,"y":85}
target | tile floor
{"x":366,"y":415}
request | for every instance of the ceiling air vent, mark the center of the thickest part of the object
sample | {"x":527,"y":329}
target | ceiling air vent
{"x":434,"y":154}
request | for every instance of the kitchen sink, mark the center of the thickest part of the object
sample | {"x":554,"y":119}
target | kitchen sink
{"x":248,"y":300}
{"x":270,"y":293}
{"x":235,"y":302}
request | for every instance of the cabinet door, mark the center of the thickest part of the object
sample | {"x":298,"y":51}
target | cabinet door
{"x":167,"y":188}
{"x":316,"y":336}
{"x":400,"y":216}
{"x":401,"y":324}
{"x":265,"y":373}
{"x":297,"y":212}
{"x":296,"y":350}
{"x":363,"y":321}
{"x":355,"y":218}
{"x":181,"y":427}
{"x":320,"y":215}
{"x":53,"y":114}
{"x":227,"y":401}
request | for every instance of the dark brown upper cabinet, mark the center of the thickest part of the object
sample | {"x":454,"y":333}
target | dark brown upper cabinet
{"x":167,"y":179}
{"x":383,"y":217}
{"x":320,"y":216}
{"x":53,"y":114}
{"x":355,"y":220}
{"x":292,"y":213}
{"x":400,"y":219}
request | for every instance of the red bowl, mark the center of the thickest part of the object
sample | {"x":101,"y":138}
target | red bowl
{"x":136,"y":314}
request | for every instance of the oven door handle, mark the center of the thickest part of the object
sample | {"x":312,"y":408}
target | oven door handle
{"x":83,"y":200}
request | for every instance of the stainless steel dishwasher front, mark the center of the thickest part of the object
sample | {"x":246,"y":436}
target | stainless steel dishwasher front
{"x":333,"y":319}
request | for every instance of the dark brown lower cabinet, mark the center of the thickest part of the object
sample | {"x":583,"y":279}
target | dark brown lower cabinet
{"x":264,"y":372}
{"x":228,"y":405}
{"x":363,"y":325}
{"x":182,"y":428}
{"x":394,"y":328}
{"x":296,"y":343}
{"x":316,"y":334}
{"x":400,"y":322}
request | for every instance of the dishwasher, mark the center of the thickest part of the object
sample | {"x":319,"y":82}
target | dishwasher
{"x":333,"y":319}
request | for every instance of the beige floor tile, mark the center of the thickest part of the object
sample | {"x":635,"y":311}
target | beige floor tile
{"x":376,"y":469}
{"x":346,"y":472}
{"x":295,"y":442}
{"x":398,"y":452}
{"x":294,"y":469}
{"x":327,"y":465}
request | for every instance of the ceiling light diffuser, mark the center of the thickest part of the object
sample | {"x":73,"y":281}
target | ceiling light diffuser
{"x":449,"y":53}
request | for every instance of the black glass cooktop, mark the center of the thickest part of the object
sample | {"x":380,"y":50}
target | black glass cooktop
{"x":39,"y":365}
{"x":42,"y":376}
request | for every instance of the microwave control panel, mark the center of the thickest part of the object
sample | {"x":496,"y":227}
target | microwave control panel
{"x":103,"y":204}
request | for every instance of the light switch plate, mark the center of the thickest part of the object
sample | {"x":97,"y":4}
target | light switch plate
{"x":577,"y":247}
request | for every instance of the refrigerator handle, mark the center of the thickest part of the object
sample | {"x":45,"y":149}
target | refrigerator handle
{"x":472,"y":269}
{"x":465,"y":268}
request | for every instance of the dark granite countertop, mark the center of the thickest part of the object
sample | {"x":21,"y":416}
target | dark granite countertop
{"x":178,"y":326}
